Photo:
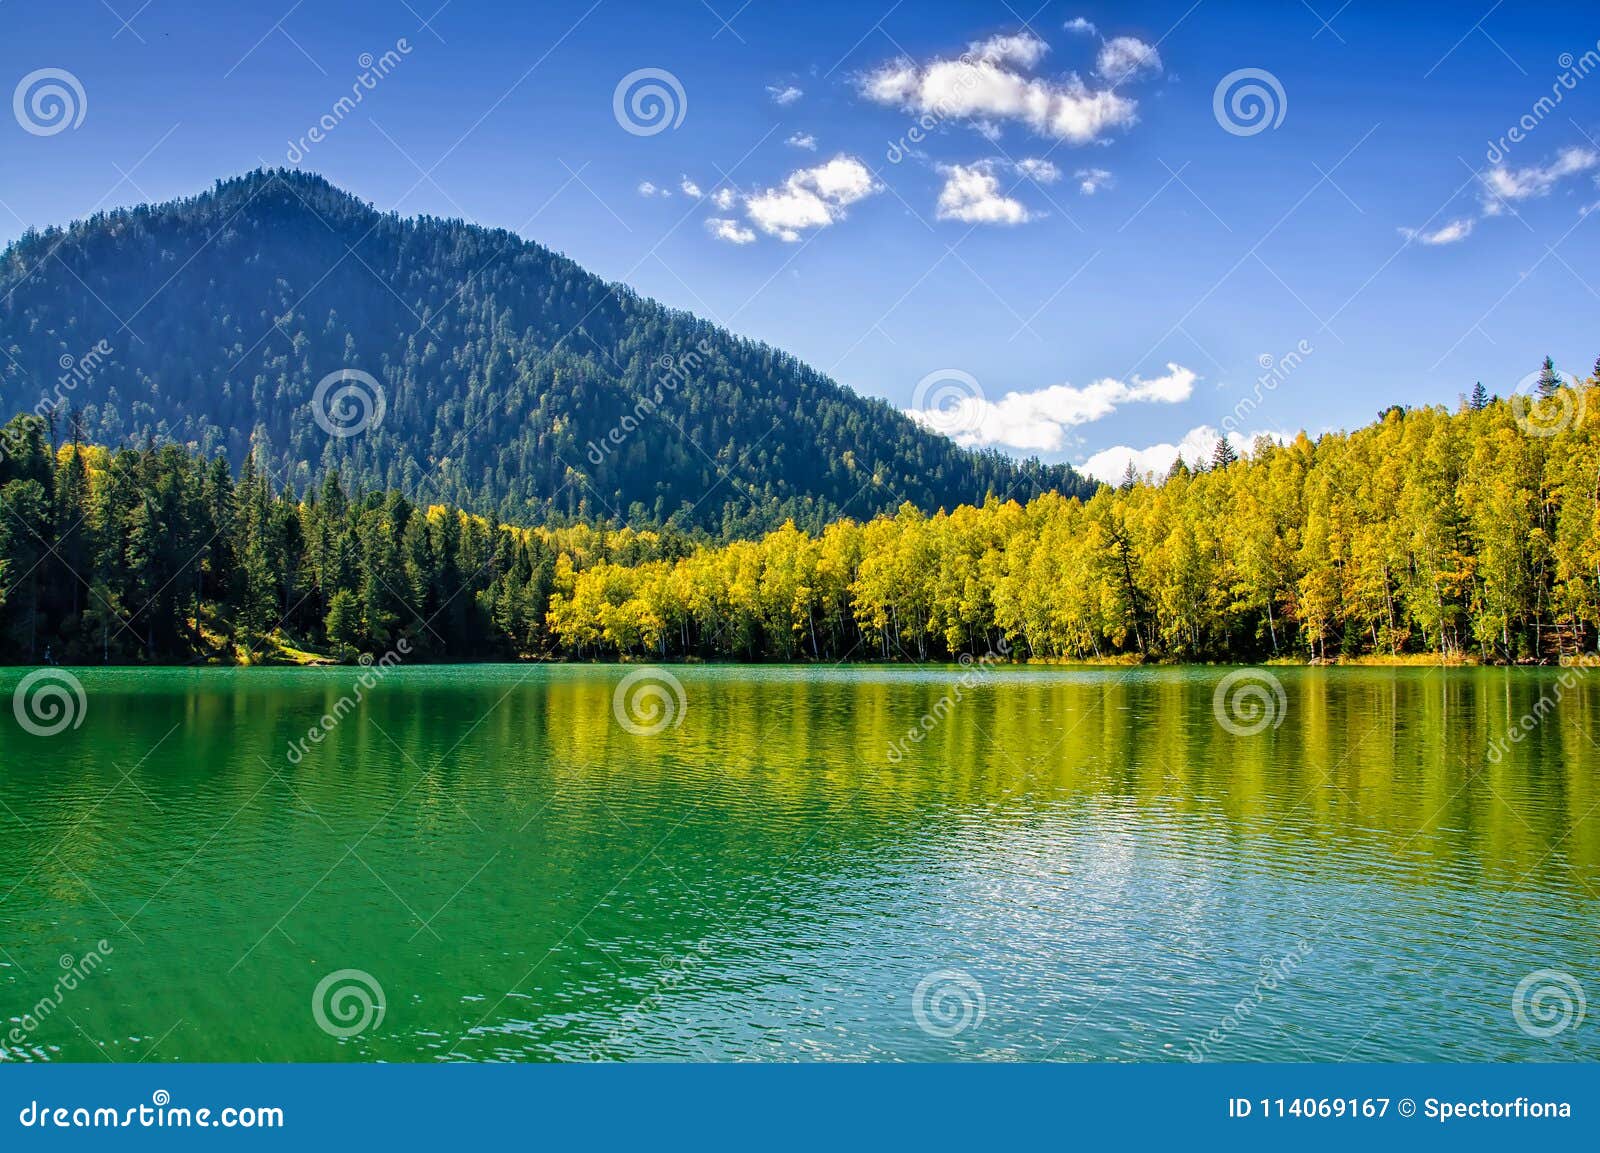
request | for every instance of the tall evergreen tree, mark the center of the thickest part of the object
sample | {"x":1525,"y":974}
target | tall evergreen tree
{"x":1549,"y":381}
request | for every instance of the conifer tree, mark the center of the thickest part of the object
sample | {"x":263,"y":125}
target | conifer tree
{"x":1549,"y":380}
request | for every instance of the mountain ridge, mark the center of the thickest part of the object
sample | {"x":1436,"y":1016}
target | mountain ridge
{"x":514,"y":382}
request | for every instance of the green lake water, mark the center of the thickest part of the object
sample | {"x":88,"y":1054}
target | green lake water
{"x":1062,"y":864}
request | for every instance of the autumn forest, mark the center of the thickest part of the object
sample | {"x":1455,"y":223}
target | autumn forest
{"x":1472,"y":533}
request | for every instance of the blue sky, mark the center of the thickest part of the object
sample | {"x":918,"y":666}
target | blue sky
{"x":1079,"y":258}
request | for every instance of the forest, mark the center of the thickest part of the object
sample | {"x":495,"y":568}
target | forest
{"x":515,"y":383}
{"x":1471,"y":533}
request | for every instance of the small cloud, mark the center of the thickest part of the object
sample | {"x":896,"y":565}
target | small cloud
{"x":1081,"y":26}
{"x":730,"y":230}
{"x":690,"y":188}
{"x":989,"y":85}
{"x":803,"y":140}
{"x":723,"y":198}
{"x":1196,"y":447}
{"x":1502,"y":185}
{"x":1038,"y":170}
{"x":784,"y":94}
{"x":1038,"y":420}
{"x":811,"y":197}
{"x":1023,"y":49}
{"x":1122,"y":57}
{"x":1451,"y":233}
{"x":971,"y":194}
{"x":1092,"y":180}
{"x":648,"y":189}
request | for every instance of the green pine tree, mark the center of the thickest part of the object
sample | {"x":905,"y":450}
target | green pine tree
{"x":1549,"y":380}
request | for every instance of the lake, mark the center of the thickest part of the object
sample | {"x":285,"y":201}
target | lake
{"x":932,"y":863}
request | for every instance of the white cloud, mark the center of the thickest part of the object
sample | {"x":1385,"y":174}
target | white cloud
{"x":1455,"y":230}
{"x":723,"y":198}
{"x":1040,"y":171}
{"x":987,"y":85}
{"x":730,"y":230}
{"x":1092,"y":180}
{"x":1081,"y":26}
{"x":803,"y":140}
{"x":1038,"y":421}
{"x":972,"y":194}
{"x":1123,"y":57}
{"x":1197,"y":445}
{"x":1023,"y":49}
{"x":1502,"y":184}
{"x":690,"y":188}
{"x":784,"y":93}
{"x":648,"y":189}
{"x":811,"y":197}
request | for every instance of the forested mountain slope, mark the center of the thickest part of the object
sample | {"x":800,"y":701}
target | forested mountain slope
{"x":504,"y":366}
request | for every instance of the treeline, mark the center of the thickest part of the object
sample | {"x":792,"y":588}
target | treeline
{"x":1474,"y":533}
{"x":160,"y":555}
{"x":1468,"y":534}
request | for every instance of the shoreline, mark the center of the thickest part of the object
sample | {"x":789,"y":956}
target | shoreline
{"x":1416,"y":660}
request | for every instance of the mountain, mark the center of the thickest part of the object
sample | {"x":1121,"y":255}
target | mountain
{"x":513,"y":383}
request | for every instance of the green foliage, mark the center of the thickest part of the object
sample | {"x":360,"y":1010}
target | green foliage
{"x":1549,"y":380}
{"x":1428,"y":532}
{"x":517,"y":385}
